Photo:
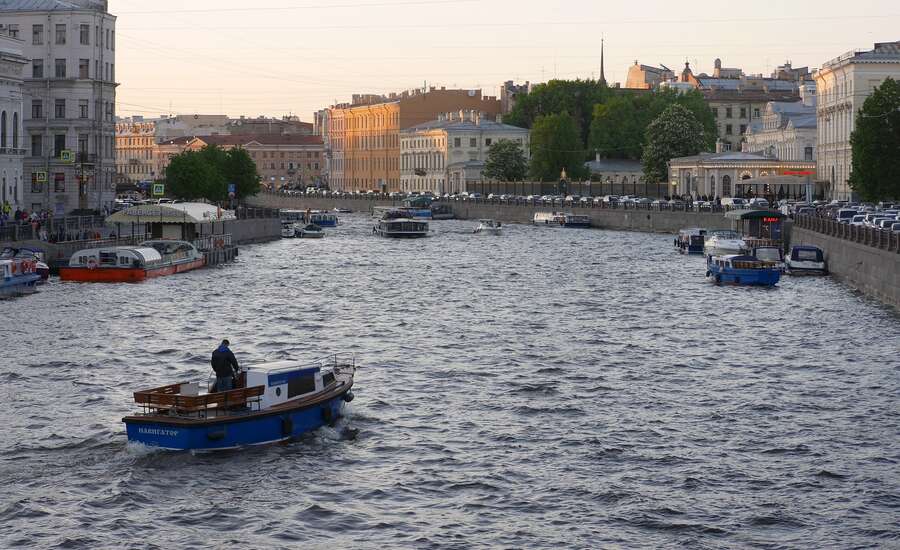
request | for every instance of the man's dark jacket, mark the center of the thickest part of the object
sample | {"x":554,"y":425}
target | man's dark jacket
{"x":224,"y":362}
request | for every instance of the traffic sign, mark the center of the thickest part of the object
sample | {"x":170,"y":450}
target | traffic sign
{"x":40,"y":177}
{"x":159,"y":189}
{"x":231,"y":188}
{"x":66,"y":155}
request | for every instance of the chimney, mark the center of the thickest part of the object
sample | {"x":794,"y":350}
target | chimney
{"x":597,"y":156}
{"x":745,"y":147}
{"x":719,"y":146}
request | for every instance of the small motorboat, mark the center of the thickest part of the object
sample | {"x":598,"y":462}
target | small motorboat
{"x":691,"y":241}
{"x":490,"y":227}
{"x":724,"y":242}
{"x":343,"y":210}
{"x":37,"y":256}
{"x":272,"y":402}
{"x":805,"y":260}
{"x":18,"y":276}
{"x":741,"y":269}
{"x":310,"y":231}
{"x":287,"y":229}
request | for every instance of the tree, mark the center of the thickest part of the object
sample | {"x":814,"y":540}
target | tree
{"x":506,"y":161}
{"x":556,"y":146}
{"x":676,"y":132}
{"x":875,"y":169}
{"x":576,"y":97}
{"x":205,"y":174}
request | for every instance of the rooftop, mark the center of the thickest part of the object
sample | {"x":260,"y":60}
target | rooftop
{"x":52,"y":5}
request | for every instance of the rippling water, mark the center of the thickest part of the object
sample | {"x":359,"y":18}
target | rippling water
{"x":545,"y":389}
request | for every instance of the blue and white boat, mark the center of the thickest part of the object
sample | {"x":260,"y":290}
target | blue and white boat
{"x":691,"y":241}
{"x":18,"y":276}
{"x":740,"y":269}
{"x":576,"y":220}
{"x":322,"y":219}
{"x":273,"y":402}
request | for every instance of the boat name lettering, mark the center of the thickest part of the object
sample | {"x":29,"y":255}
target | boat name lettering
{"x":158,"y":431}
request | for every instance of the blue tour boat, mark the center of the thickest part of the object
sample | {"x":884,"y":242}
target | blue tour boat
{"x":18,"y":276}
{"x":273,"y":402}
{"x":740,"y":269}
{"x":322,"y":219}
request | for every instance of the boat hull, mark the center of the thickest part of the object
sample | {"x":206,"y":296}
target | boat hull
{"x":125,"y":274}
{"x":234,"y":431}
{"x":745,"y":277}
{"x":805,"y":268}
{"x":23,"y":284}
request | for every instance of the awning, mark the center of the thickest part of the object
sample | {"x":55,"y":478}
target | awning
{"x":753,"y":214}
{"x":183,"y":212}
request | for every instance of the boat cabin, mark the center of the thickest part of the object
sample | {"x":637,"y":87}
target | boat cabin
{"x":739,"y":261}
{"x":116,"y":256}
{"x":287,"y":380}
{"x":758,"y":226}
{"x":807,"y":254}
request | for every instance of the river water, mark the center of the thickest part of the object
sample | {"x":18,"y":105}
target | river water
{"x":548,"y":388}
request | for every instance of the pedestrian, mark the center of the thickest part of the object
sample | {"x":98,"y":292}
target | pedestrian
{"x":225,"y":365}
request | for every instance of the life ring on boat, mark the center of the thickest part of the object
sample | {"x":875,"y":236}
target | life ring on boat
{"x":92,"y":263}
{"x":347,"y":397}
{"x":220,"y":243}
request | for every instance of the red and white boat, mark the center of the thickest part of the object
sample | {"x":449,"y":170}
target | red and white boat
{"x":129,"y":264}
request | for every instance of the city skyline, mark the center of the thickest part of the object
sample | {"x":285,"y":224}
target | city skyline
{"x":285,"y":57}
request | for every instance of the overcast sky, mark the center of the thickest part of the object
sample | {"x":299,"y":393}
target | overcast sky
{"x":275,"y":57}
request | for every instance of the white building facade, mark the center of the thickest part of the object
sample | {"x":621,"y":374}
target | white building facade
{"x":12,"y":150}
{"x":69,"y":102}
{"x":786,"y":130}
{"x":448,"y":155}
{"x":843,"y":85}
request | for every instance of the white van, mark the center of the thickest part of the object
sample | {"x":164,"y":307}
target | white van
{"x":734,"y":202}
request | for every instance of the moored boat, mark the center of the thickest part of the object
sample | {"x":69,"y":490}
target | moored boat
{"x":741,"y":269}
{"x":37,"y":256}
{"x":548,"y":218}
{"x":18,"y":276}
{"x":576,"y":220}
{"x":119,"y":264}
{"x":806,"y":260}
{"x":273,"y":402}
{"x":691,"y":240}
{"x":310,"y":231}
{"x":490,"y":227}
{"x":724,"y":242}
{"x":397,"y":224}
{"x":321,"y":218}
{"x":288,"y":230}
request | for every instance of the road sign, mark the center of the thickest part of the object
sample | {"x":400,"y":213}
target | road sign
{"x":159,"y":189}
{"x":40,"y":177}
{"x":66,"y":155}
{"x":231,"y":189}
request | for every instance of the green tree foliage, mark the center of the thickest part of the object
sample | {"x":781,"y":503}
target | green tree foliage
{"x":875,"y":172}
{"x":676,"y":132}
{"x":619,"y":126}
{"x":205,"y":174}
{"x":576,"y":97}
{"x":556,"y":145}
{"x":506,"y":161}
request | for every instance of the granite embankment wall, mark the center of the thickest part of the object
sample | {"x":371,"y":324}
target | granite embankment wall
{"x":663,"y":221}
{"x":871,"y":270}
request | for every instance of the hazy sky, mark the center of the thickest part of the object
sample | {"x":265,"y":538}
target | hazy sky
{"x":275,"y":57}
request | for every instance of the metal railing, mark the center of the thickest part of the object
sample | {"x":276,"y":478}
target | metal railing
{"x":869,"y":236}
{"x":253,"y":213}
{"x":63,"y":229}
{"x":212,"y":242}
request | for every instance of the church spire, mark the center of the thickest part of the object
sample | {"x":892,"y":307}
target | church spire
{"x":602,"y":76}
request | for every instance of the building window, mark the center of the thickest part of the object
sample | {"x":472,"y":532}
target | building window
{"x":37,"y":68}
{"x":35,"y":184}
{"x":487,"y":142}
{"x":727,"y":112}
{"x":59,"y":182}
{"x":37,"y":34}
{"x":15,"y":130}
{"x":715,"y":112}
{"x":726,"y":146}
{"x":807,"y":153}
{"x":107,"y":39}
{"x":60,"y":109}
{"x":457,"y":142}
{"x":756,"y":112}
{"x":14,"y":31}
{"x":37,"y":108}
{"x":83,"y":68}
{"x":37,"y":148}
{"x":84,"y":33}
{"x":728,"y":129}
{"x":59,"y":143}
{"x":743,"y":128}
{"x":82,"y":144}
{"x":473,"y":142}
{"x":743,"y":112}
{"x":60,"y":34}
{"x":82,"y":108}
{"x":60,"y":68}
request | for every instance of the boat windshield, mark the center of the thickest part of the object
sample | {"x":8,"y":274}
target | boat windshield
{"x":768,"y":254}
{"x":726,"y":234}
{"x":807,"y":255}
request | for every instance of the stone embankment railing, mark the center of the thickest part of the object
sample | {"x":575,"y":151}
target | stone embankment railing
{"x":67,"y":228}
{"x":868,"y":236}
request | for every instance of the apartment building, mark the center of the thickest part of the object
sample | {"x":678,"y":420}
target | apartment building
{"x":136,"y":150}
{"x":364,"y":135}
{"x":12,"y":148}
{"x":69,"y":101}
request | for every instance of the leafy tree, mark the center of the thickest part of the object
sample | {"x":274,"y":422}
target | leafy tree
{"x":875,"y":171}
{"x":576,"y":97}
{"x":555,"y":146}
{"x":205,"y":174}
{"x":676,"y":132}
{"x":506,"y":161}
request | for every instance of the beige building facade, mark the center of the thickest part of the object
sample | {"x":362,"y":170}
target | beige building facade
{"x":136,"y":151}
{"x":12,"y":148}
{"x":786,"y":131}
{"x":737,"y":174}
{"x":843,"y":85}
{"x":364,"y":137}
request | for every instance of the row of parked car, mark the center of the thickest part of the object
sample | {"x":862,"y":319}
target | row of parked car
{"x":886,"y":219}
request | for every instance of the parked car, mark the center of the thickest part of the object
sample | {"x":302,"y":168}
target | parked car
{"x":859,"y":219}
{"x":895,"y":227}
{"x":758,"y":202}
{"x":844,"y":215}
{"x":887,"y":223}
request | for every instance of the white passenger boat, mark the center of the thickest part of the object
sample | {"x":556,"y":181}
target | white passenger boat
{"x":548,"y":218}
{"x":287,"y":229}
{"x":490,"y":227}
{"x":310,"y":231}
{"x":398,"y":224}
{"x":724,"y":242}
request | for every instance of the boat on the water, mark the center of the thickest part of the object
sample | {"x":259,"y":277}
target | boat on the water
{"x":723,"y":242}
{"x":321,"y":218}
{"x":272,"y":402}
{"x":396,"y":223}
{"x":741,"y":269}
{"x":18,"y":276}
{"x":343,"y":210}
{"x":773,"y":254}
{"x":37,"y":256}
{"x":691,"y":240}
{"x":288,"y":231}
{"x":310,"y":231}
{"x":120,"y":264}
{"x":806,"y":260}
{"x":576,"y":220}
{"x":490,"y":227}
